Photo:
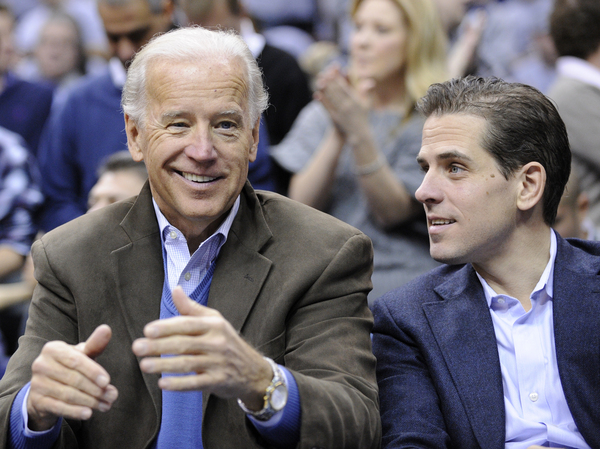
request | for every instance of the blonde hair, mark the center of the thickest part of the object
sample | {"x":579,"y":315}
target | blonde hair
{"x":425,"y":49}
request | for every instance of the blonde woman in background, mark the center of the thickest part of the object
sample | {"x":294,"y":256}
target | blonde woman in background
{"x":352,"y":151}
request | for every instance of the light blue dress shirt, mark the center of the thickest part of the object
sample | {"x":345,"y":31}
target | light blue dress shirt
{"x":534,"y":400}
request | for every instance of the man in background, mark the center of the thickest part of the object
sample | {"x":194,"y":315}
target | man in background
{"x":576,"y":35}
{"x":24,"y":106}
{"x":89,"y":125}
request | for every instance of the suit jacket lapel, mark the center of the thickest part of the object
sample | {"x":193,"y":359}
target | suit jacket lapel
{"x":241,"y":270}
{"x":464,"y":331}
{"x":576,"y":334}
{"x":139,"y":276}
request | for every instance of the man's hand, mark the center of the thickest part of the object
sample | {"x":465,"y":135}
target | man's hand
{"x":204,"y":344}
{"x":67,"y":382}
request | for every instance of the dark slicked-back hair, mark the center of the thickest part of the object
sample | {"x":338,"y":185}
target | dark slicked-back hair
{"x":575,"y":27}
{"x":522,"y":126}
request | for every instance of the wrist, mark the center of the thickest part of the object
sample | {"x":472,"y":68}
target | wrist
{"x":274,"y":396}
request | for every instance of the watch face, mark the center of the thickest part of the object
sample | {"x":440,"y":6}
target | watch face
{"x":279,"y":397}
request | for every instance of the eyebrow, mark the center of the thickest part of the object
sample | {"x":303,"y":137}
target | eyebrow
{"x":234,"y":114}
{"x":447,"y":155}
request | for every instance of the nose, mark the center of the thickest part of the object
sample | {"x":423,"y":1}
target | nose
{"x":360,"y":38}
{"x":200,"y":147}
{"x":429,"y":192}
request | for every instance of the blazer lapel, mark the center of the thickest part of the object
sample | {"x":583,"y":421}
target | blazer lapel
{"x":139,"y":276}
{"x":576,"y":309}
{"x":464,"y":331}
{"x":241,"y":270}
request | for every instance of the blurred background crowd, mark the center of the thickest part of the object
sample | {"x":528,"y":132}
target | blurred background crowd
{"x":340,"y":134}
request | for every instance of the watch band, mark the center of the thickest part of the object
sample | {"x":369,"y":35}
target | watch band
{"x":275,"y":396}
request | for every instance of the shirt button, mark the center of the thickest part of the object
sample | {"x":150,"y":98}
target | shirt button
{"x":500,"y":300}
{"x":173,"y":235}
{"x":533,"y":397}
{"x":188,"y":276}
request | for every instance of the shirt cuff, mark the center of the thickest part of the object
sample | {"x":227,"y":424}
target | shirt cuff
{"x":283,"y":428}
{"x":21,"y":437}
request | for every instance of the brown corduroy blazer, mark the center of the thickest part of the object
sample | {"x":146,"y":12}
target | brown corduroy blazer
{"x":293,"y":281}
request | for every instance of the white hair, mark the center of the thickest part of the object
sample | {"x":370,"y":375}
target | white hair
{"x":191,"y":44}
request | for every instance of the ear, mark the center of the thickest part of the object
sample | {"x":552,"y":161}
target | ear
{"x":532,"y":181}
{"x":133,"y":139}
{"x":255,"y":138}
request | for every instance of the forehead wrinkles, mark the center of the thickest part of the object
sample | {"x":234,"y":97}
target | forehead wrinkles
{"x":167,"y":79}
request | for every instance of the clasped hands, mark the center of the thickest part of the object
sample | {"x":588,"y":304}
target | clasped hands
{"x":347,"y":103}
{"x":67,"y":381}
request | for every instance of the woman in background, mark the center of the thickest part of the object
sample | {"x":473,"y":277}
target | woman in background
{"x":352,"y":151}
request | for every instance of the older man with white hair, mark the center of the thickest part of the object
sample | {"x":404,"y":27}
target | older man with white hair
{"x":204,"y":313}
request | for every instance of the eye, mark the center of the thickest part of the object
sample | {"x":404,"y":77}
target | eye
{"x":455,"y":169}
{"x":226,"y":125}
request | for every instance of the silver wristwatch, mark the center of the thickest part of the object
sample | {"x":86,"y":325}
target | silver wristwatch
{"x":275,"y":397}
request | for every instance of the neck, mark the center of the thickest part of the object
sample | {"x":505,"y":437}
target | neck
{"x":517,"y":271}
{"x":390,"y":94}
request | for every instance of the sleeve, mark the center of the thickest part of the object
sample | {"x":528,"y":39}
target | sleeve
{"x":283,"y":429}
{"x":58,"y":164}
{"x":410,"y":408}
{"x":294,"y":152}
{"x":329,"y":354}
{"x":20,"y":436}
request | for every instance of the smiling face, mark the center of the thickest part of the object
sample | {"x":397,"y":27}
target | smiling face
{"x":471,"y":207}
{"x":197,"y":141}
{"x":378,"y":45}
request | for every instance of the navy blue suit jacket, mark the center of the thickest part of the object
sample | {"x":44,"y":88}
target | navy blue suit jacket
{"x":437,"y":360}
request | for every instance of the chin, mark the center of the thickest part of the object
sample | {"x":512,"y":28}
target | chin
{"x":448,"y":258}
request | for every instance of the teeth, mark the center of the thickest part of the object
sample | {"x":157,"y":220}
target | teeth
{"x":197,"y":178}
{"x":441,"y":222}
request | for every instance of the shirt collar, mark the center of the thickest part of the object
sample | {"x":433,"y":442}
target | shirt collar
{"x":118,"y":75}
{"x":546,"y":281}
{"x":165,"y":226}
{"x":578,"y":69}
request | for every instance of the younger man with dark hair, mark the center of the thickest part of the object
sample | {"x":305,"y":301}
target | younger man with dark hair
{"x":501,"y":348}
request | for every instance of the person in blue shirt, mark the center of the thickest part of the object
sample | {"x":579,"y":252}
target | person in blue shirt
{"x":20,"y":199}
{"x":203,"y":313}
{"x":498,"y":348}
{"x":24,"y":105}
